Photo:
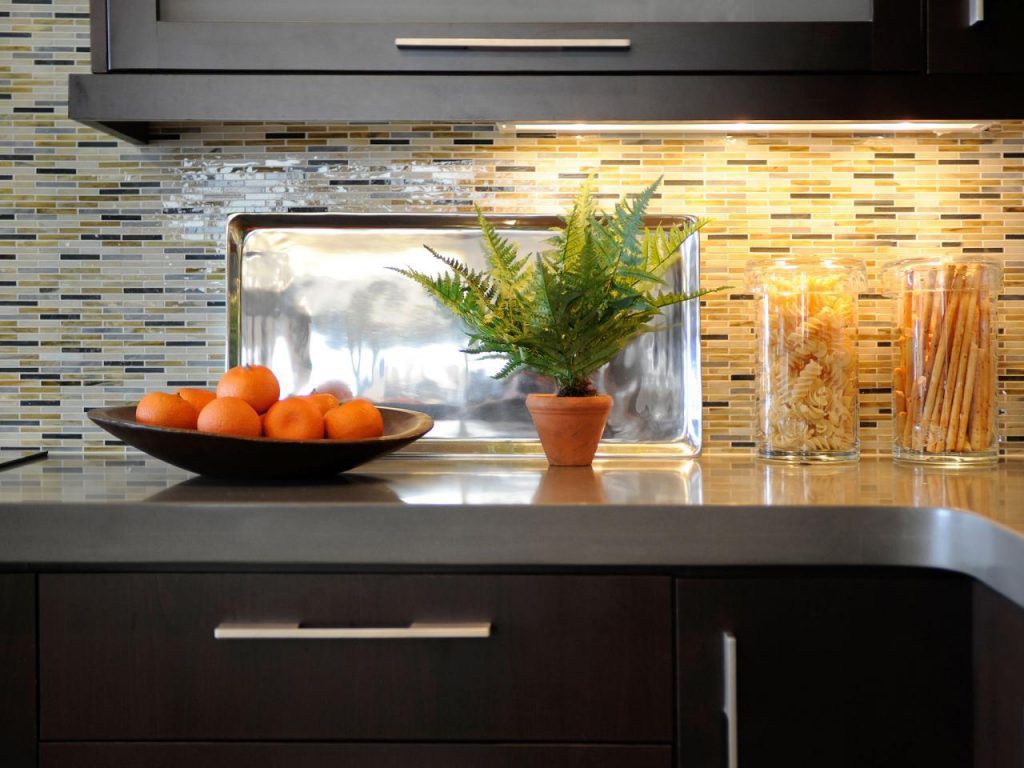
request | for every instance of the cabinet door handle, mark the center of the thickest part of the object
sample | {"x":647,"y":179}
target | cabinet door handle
{"x":503,"y":43}
{"x":976,"y":11}
{"x":729,"y":699}
{"x":416,"y":631}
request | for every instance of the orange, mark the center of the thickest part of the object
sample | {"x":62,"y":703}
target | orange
{"x":198,"y":397}
{"x":355,"y":420}
{"x":160,"y":409}
{"x":229,"y":416}
{"x":337,"y":388}
{"x":256,"y":384}
{"x":323,"y":400}
{"x":294,"y":418}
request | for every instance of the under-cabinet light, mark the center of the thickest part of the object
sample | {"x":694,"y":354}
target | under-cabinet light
{"x":908,"y":126}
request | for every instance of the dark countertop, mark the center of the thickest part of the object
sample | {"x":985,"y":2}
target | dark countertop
{"x":512,"y":513}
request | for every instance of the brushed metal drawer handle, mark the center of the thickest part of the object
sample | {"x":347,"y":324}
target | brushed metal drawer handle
{"x":976,"y":12}
{"x":729,"y":682}
{"x":530,"y":43}
{"x":415,"y":631}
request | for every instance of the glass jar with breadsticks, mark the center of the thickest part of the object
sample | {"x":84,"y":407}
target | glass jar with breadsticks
{"x":944,"y":359}
{"x":807,"y":357}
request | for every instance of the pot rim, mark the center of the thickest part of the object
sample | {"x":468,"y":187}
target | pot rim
{"x":550,"y":402}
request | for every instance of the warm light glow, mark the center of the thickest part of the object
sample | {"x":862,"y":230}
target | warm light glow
{"x":809,"y":126}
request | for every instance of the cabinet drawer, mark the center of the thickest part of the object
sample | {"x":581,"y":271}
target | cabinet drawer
{"x":349,"y":755}
{"x":477,"y":36}
{"x":569,"y":658}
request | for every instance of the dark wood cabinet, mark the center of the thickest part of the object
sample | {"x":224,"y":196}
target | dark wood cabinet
{"x":998,"y":681}
{"x":828,"y":671}
{"x":17,"y":671}
{"x":473,"y":61}
{"x":568,"y":659}
{"x":466,"y":36}
{"x":980,"y":36}
{"x":888,"y":667}
{"x":350,"y":755}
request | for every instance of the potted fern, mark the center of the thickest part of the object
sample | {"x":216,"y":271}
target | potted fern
{"x":567,"y":311}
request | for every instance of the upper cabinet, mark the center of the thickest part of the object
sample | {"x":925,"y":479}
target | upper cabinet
{"x":323,"y":61}
{"x":975,"y":36}
{"x":536,"y":36}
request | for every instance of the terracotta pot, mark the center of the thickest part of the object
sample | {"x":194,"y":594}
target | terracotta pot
{"x":569,"y":427}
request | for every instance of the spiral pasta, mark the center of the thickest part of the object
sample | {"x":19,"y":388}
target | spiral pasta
{"x":808,"y":385}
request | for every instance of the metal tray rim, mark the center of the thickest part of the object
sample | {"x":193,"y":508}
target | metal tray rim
{"x":239,"y":225}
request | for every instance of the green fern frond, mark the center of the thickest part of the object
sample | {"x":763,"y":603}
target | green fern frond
{"x":577,"y":229}
{"x":503,"y":258}
{"x":568,"y":310}
{"x":476,"y":281}
{"x":667,"y":299}
{"x":639,"y":275}
{"x":448,"y":289}
{"x":513,"y":365}
{"x":627,"y":223}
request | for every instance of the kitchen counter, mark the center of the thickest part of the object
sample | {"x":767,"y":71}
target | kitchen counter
{"x":516,"y":514}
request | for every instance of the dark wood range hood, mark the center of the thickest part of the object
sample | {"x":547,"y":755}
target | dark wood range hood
{"x":174,"y":61}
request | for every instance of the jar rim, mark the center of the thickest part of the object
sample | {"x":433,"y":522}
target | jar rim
{"x":953,"y":259}
{"x":762,"y":273}
{"x":796,"y":262}
{"x":895,"y":273}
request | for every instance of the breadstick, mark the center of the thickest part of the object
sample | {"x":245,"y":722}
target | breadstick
{"x":987,"y":377}
{"x":954,"y":392}
{"x":978,"y":410}
{"x":914,"y":423}
{"x":905,"y":373}
{"x":926,"y":437}
{"x":968,"y":331}
{"x":965,"y":404}
{"x":940,"y":303}
{"x":927,"y":340}
{"x":937,"y":442}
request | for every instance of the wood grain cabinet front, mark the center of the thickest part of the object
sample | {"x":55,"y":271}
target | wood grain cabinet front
{"x":492,"y":36}
{"x":506,"y":658}
{"x":17,"y":671}
{"x":837,"y":671}
{"x":351,"y":756}
{"x":998,"y":680}
{"x":976,"y":36}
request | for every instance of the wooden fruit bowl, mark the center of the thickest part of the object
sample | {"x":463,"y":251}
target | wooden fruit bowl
{"x":260,"y":458}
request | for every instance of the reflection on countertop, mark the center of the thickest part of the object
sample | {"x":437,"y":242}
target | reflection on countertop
{"x":713,"y":480}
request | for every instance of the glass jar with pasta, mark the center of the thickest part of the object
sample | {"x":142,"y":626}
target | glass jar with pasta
{"x":944,"y":359}
{"x":807,"y":357}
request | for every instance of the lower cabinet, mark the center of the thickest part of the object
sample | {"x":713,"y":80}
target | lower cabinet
{"x":354,"y":755}
{"x":17,"y":671}
{"x":749,"y":668}
{"x":998,"y":681}
{"x":825,"y":672}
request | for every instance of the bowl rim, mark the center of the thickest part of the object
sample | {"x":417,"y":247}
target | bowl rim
{"x":422,"y":424}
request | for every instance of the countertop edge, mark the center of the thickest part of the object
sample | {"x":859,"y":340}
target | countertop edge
{"x":307,"y":536}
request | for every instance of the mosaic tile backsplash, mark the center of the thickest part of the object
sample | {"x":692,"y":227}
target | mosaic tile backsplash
{"x":112,"y":256}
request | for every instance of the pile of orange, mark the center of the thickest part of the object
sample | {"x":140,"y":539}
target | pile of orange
{"x":247,"y":403}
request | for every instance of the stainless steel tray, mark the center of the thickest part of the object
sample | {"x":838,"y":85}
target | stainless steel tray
{"x":309,"y":296}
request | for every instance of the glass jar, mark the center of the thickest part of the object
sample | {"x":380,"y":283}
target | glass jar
{"x":807,"y":357}
{"x":944,"y":359}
